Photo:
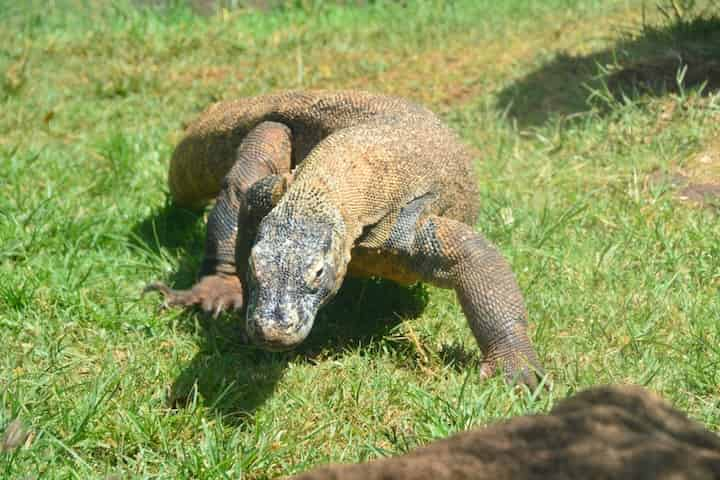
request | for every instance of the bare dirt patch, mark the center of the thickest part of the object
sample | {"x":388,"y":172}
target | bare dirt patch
{"x":703,"y":172}
{"x":698,"y":181}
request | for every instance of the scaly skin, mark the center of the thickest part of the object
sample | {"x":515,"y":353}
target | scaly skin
{"x":314,"y":186}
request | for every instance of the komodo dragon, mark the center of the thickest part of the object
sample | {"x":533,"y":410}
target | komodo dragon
{"x":313,"y":186}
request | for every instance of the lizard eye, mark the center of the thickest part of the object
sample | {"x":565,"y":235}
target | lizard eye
{"x":316,"y":280}
{"x":319,"y":273}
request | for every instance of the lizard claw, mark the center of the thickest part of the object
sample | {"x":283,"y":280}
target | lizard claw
{"x":518,"y":369}
{"x":218,"y":309}
{"x":213,"y":293}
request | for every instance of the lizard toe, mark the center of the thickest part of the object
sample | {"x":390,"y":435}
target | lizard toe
{"x":214,"y":294}
{"x":237,"y":302}
{"x":517,"y":368}
{"x":171,"y":297}
{"x":207,"y":304}
{"x":218,"y":309}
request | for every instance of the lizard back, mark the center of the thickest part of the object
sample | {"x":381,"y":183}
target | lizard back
{"x":419,"y":149}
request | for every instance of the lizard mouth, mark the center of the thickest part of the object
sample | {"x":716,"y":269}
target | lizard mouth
{"x":276,"y":337}
{"x":276,"y":344}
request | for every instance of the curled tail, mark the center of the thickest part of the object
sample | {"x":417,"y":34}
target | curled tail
{"x":208,"y":150}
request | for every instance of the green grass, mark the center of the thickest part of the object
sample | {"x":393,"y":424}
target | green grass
{"x":621,"y":278}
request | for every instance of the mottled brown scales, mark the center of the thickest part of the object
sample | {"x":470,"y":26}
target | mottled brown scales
{"x":313,"y":186}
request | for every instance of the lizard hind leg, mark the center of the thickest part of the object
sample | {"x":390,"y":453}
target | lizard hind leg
{"x":264,"y":152}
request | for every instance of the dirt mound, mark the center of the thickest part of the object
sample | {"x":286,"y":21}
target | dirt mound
{"x":607,"y":432}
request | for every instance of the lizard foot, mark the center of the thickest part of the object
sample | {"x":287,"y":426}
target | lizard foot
{"x":519,"y":368}
{"x":213,"y":293}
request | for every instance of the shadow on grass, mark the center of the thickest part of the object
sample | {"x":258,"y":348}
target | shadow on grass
{"x":458,"y":357}
{"x":179,"y":232}
{"x":235,"y":378}
{"x":646,"y":62}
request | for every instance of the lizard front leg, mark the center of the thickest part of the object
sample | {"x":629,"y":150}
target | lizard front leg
{"x":450,"y":254}
{"x":264,"y":152}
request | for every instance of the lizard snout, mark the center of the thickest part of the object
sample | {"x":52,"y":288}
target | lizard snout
{"x":283,"y":329}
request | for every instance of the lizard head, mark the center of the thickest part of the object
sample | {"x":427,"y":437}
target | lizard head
{"x":295,"y":267}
